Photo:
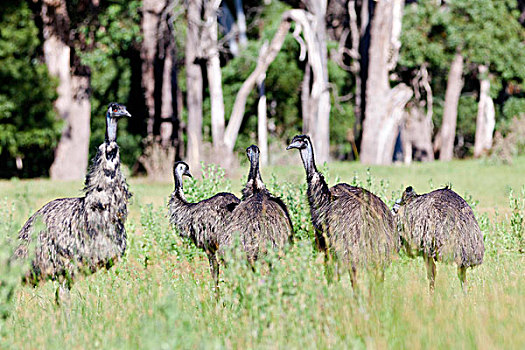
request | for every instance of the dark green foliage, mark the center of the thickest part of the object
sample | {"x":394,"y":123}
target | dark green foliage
{"x":486,"y":32}
{"x":423,"y":36}
{"x":28,"y":128}
{"x":113,"y":37}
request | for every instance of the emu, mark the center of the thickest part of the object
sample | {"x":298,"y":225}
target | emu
{"x":441,"y":226}
{"x":261,"y":219}
{"x":203,"y":222}
{"x":83,"y":234}
{"x":352,"y":225}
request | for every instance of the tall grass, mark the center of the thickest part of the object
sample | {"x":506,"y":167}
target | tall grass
{"x":160,"y":295}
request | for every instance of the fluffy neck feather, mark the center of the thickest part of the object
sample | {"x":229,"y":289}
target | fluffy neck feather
{"x":255,"y":182}
{"x":307,"y":156}
{"x":111,"y":128}
{"x":178,"y":185}
{"x":318,"y":191}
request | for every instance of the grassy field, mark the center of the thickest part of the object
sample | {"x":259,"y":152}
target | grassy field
{"x":160,"y":295}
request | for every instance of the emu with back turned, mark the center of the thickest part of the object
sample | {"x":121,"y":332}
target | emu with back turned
{"x":352,"y":225}
{"x":203,"y":222}
{"x":83,"y":234}
{"x":261,"y":219}
{"x":441,"y":226}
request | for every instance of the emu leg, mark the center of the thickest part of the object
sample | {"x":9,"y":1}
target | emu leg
{"x":431,"y":271}
{"x":328,"y":267}
{"x":214,"y":267}
{"x":353,"y":277}
{"x":462,"y":274}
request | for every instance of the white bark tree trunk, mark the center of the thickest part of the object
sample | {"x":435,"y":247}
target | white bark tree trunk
{"x":486,"y":120}
{"x":209,"y":41}
{"x":194,"y":85}
{"x":384,"y":106}
{"x":262,"y":122}
{"x":167,"y":112}
{"x":71,"y":155}
{"x":305,"y":96}
{"x":241,"y":23}
{"x":314,"y":31}
{"x":72,"y":105}
{"x":417,"y":136}
{"x":450,"y":113}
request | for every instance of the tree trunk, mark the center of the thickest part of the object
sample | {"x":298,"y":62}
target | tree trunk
{"x":151,"y":10}
{"x":305,"y":96}
{"x":485,"y":120}
{"x":167,"y":113}
{"x":194,"y":85}
{"x":209,"y":39}
{"x":262,"y":128}
{"x":417,"y":136}
{"x":73,"y":106}
{"x":384,"y":106}
{"x":241,"y":23}
{"x":319,"y":95}
{"x":355,"y":68}
{"x":450,"y":112}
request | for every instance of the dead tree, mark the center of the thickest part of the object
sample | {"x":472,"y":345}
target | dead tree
{"x":444,"y":142}
{"x":486,"y":117}
{"x":384,"y":105}
{"x":72,"y":104}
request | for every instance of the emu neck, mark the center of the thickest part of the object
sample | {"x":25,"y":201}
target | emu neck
{"x":111,"y":129}
{"x":178,"y":186}
{"x":255,"y":176}
{"x":318,"y":191}
{"x":255,"y":183}
{"x":307,"y":156}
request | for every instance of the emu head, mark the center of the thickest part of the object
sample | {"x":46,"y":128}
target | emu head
{"x":304,"y":145}
{"x":180,"y":169}
{"x":254,"y":176}
{"x":407,"y":196}
{"x":253,"y":153}
{"x":114,"y":113}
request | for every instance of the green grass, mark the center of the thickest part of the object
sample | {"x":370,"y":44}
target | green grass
{"x":169,"y":303}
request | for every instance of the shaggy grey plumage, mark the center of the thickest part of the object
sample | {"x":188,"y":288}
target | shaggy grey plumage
{"x":351,"y":224}
{"x":261,"y":219}
{"x":441,"y":226}
{"x":85,"y":233}
{"x":203,"y":222}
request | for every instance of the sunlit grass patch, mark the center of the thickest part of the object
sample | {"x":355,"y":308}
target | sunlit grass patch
{"x":160,"y":295}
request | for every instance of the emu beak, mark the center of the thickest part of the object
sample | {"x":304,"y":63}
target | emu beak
{"x":295,"y":144}
{"x":187,"y":173}
{"x":123,"y":112}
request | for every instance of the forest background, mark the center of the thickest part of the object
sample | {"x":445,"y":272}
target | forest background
{"x":374,"y":81}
